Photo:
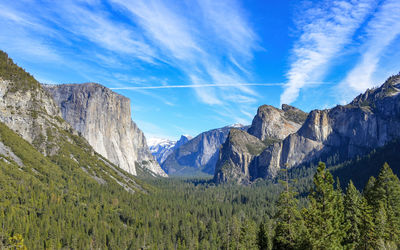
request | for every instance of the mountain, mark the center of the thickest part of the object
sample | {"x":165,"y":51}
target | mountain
{"x":235,"y":157}
{"x":339,"y":134}
{"x":51,"y":179}
{"x":240,"y":149}
{"x":103,"y":117}
{"x":162,"y":148}
{"x":200,"y":154}
{"x":271,"y":124}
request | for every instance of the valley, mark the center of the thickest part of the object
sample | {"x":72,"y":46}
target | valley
{"x":78,"y":172}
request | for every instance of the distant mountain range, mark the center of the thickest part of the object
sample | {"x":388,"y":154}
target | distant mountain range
{"x":162,"y":148}
{"x":199,"y":155}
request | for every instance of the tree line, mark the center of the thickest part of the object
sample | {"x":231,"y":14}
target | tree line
{"x":336,"y":219}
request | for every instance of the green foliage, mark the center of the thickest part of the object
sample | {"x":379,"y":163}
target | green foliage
{"x":270,"y":140}
{"x":264,"y":241}
{"x":290,"y":229}
{"x":324,"y":216}
{"x":296,"y":116}
{"x":384,"y":197}
{"x":255,"y":149}
{"x":20,"y":80}
{"x":353,"y":215}
{"x":51,"y":202}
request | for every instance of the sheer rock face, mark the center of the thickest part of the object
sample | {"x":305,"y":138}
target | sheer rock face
{"x":273,"y":123}
{"x":371,"y":120}
{"x":239,"y":164}
{"x":236,"y":155}
{"x":200,"y":154}
{"x":103,"y":117}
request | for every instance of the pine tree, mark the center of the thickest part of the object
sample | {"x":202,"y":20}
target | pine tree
{"x":353,"y":215}
{"x":248,"y":235}
{"x":385,"y":199}
{"x":324,"y":229}
{"x":368,"y":192}
{"x":289,"y":229}
{"x":263,"y":241}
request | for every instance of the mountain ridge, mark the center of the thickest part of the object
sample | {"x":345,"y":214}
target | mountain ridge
{"x":346,"y":131}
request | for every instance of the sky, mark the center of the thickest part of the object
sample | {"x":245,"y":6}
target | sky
{"x":189,"y":66}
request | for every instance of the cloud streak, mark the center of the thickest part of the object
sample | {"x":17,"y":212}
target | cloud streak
{"x":382,"y":30}
{"x":326,"y":29}
{"x":221,"y":85}
{"x":180,"y":39}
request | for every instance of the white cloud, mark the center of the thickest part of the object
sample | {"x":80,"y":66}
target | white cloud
{"x":164,"y":27}
{"x":230,"y":27}
{"x":203,"y":44}
{"x":382,"y":30}
{"x":325,"y":30}
{"x":99,"y":29}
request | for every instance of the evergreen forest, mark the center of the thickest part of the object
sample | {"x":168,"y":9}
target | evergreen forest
{"x":63,"y":209}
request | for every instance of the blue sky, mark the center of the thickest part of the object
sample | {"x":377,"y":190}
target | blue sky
{"x":190,"y":66}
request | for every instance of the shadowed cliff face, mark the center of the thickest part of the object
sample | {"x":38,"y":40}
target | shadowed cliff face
{"x":199,"y":155}
{"x":238,"y":153}
{"x":235,"y":157}
{"x":103,"y":117}
{"x":370,"y":121}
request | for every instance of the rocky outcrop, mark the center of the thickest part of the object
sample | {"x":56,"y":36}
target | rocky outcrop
{"x":162,"y":148}
{"x":103,"y":117}
{"x":27,"y":109}
{"x":370,"y":121}
{"x":200,"y":154}
{"x":235,"y":157}
{"x":271,"y":124}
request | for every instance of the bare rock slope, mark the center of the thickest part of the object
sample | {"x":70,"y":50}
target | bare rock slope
{"x":370,"y":121}
{"x":103,"y":117}
{"x":238,"y":153}
{"x":235,"y":157}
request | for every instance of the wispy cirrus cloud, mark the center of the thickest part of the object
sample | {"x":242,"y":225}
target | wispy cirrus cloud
{"x":204,"y":45}
{"x":209,"y":85}
{"x":382,"y":30}
{"x":325,"y":30}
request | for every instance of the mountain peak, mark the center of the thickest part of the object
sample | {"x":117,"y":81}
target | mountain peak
{"x":391,"y":87}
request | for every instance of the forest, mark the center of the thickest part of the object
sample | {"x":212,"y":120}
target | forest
{"x":196,"y":214}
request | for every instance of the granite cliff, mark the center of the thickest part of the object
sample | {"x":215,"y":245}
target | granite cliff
{"x":271,"y":124}
{"x":103,"y":117}
{"x":370,"y":121}
{"x":240,"y":149}
{"x":235,"y":157}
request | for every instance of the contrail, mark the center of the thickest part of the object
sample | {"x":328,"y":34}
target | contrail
{"x":209,"y":85}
